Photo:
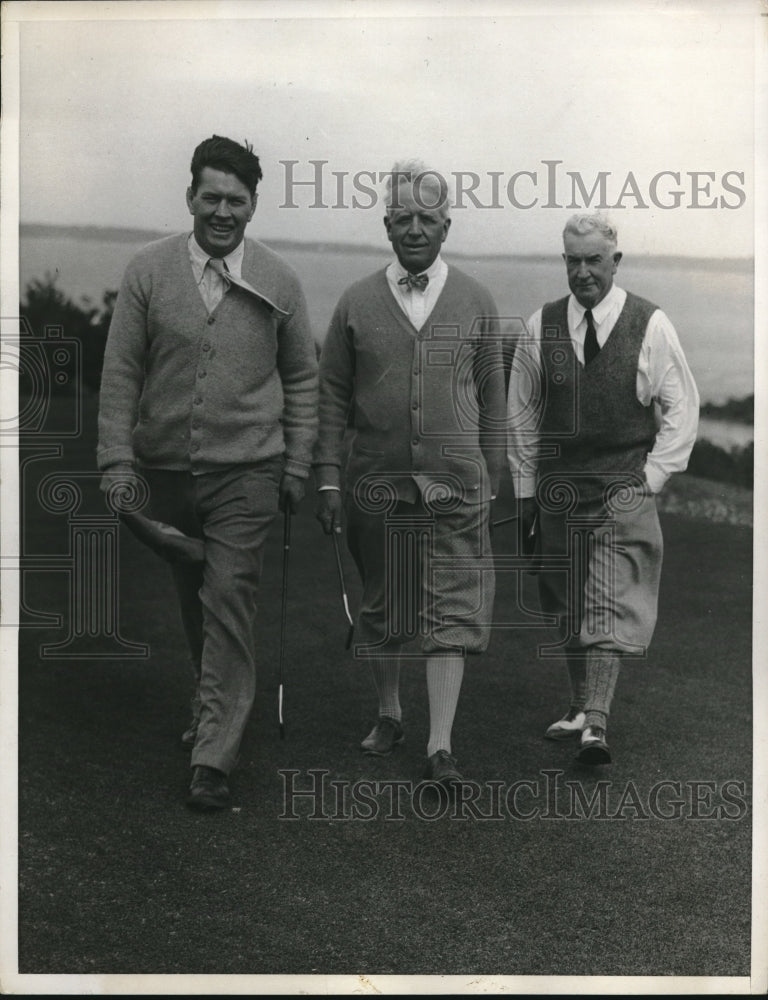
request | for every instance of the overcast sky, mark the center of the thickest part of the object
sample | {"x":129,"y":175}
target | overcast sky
{"x":110,"y":111}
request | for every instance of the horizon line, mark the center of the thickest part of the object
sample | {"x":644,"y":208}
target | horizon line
{"x":131,"y":233}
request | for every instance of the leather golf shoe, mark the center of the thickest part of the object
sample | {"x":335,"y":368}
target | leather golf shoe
{"x":441,"y":768}
{"x":383,"y":738}
{"x":208,"y":790}
{"x":569,"y":726}
{"x":593,"y":748}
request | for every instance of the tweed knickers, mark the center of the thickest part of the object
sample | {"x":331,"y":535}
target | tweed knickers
{"x":427,"y":575}
{"x":606,"y":594}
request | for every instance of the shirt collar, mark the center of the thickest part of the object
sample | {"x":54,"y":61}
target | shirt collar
{"x":600,"y":311}
{"x":434,"y":269}
{"x":200,"y":258}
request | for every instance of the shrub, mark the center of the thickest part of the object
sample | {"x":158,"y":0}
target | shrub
{"x":712,"y":462}
{"x":44,"y":305}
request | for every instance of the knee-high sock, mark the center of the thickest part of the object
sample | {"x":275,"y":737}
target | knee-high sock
{"x":386,"y":677}
{"x":602,"y":673}
{"x":444,"y":677}
{"x":577,"y":677}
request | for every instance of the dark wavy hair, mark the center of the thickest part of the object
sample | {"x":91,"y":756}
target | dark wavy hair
{"x":225,"y":154}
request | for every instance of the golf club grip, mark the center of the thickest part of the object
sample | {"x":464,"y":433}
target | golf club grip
{"x":284,"y":602}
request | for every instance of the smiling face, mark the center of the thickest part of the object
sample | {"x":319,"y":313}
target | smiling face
{"x":416,"y":232}
{"x":591,"y":262}
{"x":222,"y":206}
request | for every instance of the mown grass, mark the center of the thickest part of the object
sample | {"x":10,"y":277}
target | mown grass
{"x":117,"y":876}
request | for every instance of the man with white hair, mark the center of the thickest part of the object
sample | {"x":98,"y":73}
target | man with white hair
{"x":602,"y":409}
{"x":412,"y":362}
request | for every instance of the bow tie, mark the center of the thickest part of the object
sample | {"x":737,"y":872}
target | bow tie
{"x":419,"y":281}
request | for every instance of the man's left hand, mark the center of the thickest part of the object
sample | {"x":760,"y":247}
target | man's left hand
{"x":291,"y":492}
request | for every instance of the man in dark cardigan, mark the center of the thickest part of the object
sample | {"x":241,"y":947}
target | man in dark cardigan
{"x":602,"y":410}
{"x":412,"y":362}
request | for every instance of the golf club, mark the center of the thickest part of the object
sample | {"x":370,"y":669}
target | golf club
{"x":343,"y":590}
{"x":529,"y":542}
{"x":504,"y":520}
{"x":283,"y":617}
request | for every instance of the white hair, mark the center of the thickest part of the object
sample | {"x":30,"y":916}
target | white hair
{"x":584,"y":222}
{"x":417,"y":175}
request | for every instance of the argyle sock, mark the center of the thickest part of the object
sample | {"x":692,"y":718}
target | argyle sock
{"x":602,"y":673}
{"x":577,"y":678}
{"x":444,"y":677}
{"x":386,"y":677}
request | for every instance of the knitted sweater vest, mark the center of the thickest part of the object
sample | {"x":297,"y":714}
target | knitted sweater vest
{"x":595,"y":434}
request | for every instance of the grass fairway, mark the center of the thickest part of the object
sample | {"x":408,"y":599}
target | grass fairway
{"x":117,"y":876}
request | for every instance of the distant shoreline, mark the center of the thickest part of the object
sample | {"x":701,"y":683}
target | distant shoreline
{"x":124,"y":234}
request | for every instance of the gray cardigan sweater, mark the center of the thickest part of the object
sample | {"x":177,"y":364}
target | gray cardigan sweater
{"x":182,"y":389}
{"x":427,"y":408}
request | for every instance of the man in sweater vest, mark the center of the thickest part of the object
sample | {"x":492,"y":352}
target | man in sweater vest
{"x":412,"y":366}
{"x":602,"y":409}
{"x":209,"y":391}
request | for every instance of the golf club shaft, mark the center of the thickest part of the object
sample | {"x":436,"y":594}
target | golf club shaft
{"x":283,"y":616}
{"x":344,"y":599}
{"x":341,"y":579}
{"x":505,"y":520}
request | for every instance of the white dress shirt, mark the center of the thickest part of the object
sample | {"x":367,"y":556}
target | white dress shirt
{"x":210,"y":283}
{"x":415,"y":303}
{"x":663,"y":380}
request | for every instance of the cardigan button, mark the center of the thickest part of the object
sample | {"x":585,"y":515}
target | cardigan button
{"x":206,"y":347}
{"x":211,"y":320}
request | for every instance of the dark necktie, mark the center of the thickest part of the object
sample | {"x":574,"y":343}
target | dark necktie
{"x":591,"y":346}
{"x":419,"y":281}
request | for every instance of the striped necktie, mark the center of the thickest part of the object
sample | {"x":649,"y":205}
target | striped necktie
{"x":219,"y":265}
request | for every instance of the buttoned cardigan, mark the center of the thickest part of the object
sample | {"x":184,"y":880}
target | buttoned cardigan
{"x":427,"y":408}
{"x":184,"y":389}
